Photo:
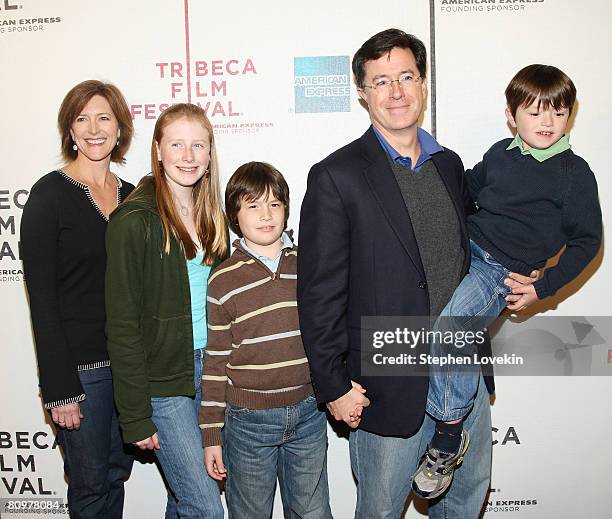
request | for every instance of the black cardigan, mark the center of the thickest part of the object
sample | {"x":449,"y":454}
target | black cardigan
{"x":64,"y":261}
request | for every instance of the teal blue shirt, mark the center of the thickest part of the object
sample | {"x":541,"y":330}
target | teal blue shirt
{"x":198,"y":284}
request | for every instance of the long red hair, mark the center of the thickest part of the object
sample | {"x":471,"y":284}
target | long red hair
{"x":210,"y":221}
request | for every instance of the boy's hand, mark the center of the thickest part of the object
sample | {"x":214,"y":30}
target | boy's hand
{"x":523,"y":291}
{"x":355,"y":416}
{"x":348,"y":403}
{"x":213,"y":461}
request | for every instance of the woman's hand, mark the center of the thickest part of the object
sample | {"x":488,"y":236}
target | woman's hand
{"x":148,"y":444}
{"x":213,"y":461}
{"x":67,"y":416}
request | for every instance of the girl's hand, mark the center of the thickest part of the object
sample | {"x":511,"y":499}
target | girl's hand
{"x":148,"y":444}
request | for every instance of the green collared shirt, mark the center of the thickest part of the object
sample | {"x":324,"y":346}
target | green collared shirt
{"x":541,"y":154}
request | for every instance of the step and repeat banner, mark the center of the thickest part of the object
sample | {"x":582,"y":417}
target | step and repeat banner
{"x":275,"y":80}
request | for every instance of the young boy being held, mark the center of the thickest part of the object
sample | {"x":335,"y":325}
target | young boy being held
{"x":534,"y":196}
{"x":259,"y":417}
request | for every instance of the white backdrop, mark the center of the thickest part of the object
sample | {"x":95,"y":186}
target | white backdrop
{"x":254,"y":62}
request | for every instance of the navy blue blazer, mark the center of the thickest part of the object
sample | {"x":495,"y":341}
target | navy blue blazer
{"x":359,"y":257}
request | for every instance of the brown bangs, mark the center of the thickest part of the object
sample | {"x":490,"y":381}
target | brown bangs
{"x":250,"y":182}
{"x":549,"y":85}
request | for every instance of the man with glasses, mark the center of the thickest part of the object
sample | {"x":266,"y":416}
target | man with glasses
{"x":383,"y":233}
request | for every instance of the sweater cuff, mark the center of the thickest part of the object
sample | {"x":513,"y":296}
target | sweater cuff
{"x":211,"y":436}
{"x":65,"y":401}
{"x":541,"y":288}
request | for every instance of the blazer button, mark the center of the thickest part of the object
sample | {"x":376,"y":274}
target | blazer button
{"x":422,"y":284}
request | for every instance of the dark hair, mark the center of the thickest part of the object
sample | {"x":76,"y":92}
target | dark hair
{"x":75,"y":101}
{"x":250,"y":182}
{"x":546,"y":83}
{"x":383,"y":43}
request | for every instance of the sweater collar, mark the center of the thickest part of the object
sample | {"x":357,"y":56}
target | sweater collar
{"x":286,"y":238}
{"x":541,"y":154}
{"x":286,"y":244}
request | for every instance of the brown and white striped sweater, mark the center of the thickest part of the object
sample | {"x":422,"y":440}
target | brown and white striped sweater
{"x":254,"y":356}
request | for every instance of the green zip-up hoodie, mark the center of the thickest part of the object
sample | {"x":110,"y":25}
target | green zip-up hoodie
{"x":148,"y":314}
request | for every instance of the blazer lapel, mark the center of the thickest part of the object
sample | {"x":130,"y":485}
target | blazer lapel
{"x":380,"y":178}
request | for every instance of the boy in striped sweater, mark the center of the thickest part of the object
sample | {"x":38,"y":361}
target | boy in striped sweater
{"x":259,"y":417}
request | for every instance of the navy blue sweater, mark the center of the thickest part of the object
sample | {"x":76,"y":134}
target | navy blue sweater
{"x":528,"y":210}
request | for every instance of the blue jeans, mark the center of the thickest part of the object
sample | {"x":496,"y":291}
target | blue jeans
{"x":384,"y":465}
{"x":476,"y":303}
{"x":290,"y":443}
{"x":181,"y":455}
{"x":95,"y":461}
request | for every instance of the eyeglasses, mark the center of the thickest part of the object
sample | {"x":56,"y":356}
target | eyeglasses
{"x":385,"y":84}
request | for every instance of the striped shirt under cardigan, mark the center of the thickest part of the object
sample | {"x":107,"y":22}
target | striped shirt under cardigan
{"x":254,"y":357}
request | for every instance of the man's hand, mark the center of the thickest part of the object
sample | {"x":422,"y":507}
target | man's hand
{"x":349,"y":406}
{"x":67,"y":416}
{"x":355,"y":416}
{"x":148,"y":444}
{"x":523,"y":292}
{"x":213,"y":461}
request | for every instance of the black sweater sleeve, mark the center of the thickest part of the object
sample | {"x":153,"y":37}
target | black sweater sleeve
{"x":477,"y":178}
{"x":582,"y":227}
{"x":59,"y":380}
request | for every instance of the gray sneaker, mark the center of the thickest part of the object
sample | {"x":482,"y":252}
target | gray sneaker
{"x":435,"y":472}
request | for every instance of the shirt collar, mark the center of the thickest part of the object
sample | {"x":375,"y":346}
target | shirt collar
{"x":541,"y":154}
{"x":429,"y":146}
{"x":287,"y":244}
